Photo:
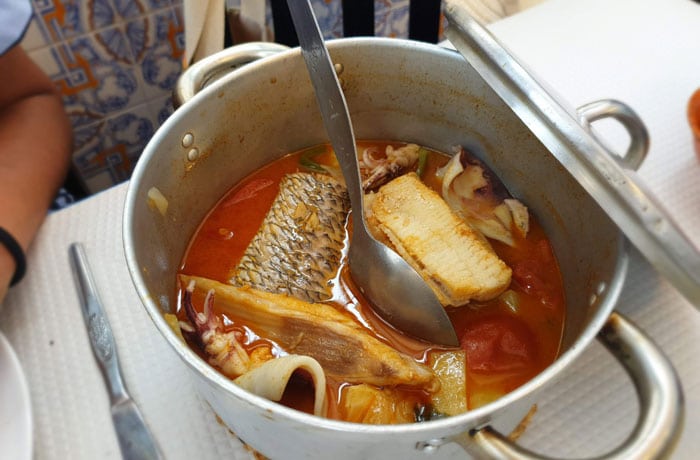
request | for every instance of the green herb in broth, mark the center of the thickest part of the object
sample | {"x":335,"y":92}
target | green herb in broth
{"x":422,"y":161}
{"x":426,"y":412}
{"x":307,"y":159}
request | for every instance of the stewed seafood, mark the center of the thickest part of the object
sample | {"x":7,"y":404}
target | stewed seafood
{"x":298,"y":247}
{"x":266,"y":297}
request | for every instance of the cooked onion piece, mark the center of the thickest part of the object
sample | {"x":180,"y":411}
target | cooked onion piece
{"x":174,"y":324}
{"x":156,"y":200}
{"x":369,"y":404}
{"x":457,"y":263}
{"x":451,"y":369}
{"x":521,"y":217}
{"x":345,"y":350}
{"x":270,"y":379}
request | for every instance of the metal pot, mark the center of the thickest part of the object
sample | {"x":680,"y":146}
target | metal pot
{"x":395,"y":90}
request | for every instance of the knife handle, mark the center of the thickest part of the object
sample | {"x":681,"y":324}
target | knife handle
{"x":135,"y":440}
{"x":99,"y":330}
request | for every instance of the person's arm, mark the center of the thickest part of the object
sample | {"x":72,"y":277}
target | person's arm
{"x":35,"y":149}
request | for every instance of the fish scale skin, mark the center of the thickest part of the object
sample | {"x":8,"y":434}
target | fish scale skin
{"x":298,"y":248}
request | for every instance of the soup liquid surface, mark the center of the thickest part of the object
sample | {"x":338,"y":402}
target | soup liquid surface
{"x":508,"y":340}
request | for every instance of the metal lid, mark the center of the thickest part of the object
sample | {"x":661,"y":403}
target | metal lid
{"x":605,"y":177}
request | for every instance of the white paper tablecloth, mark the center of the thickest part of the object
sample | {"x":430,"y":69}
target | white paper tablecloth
{"x":643,"y":52}
{"x":647,"y":54}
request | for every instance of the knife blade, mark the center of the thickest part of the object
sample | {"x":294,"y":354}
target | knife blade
{"x":135,"y":439}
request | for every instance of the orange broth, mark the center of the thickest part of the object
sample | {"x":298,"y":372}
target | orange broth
{"x":508,"y":340}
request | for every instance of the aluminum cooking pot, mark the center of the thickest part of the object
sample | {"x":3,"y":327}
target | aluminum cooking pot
{"x":396,"y":90}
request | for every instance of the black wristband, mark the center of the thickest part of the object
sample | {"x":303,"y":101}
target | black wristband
{"x":16,"y":252}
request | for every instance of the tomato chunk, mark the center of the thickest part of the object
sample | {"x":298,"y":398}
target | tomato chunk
{"x":499,"y":343}
{"x":538,"y":277}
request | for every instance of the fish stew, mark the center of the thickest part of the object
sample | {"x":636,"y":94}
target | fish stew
{"x":505,"y":340}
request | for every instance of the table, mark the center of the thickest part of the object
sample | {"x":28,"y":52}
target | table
{"x":643,"y":52}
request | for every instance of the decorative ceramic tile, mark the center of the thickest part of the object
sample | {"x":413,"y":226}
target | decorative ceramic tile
{"x":162,"y":108}
{"x":87,"y":158}
{"x":99,"y":76}
{"x":391,"y":18}
{"x":35,"y":36}
{"x":106,"y":152}
{"x":115,"y":44}
{"x":157,"y":43}
{"x":71,"y":18}
{"x":329,"y":14}
{"x":136,"y":33}
{"x":157,"y":4}
{"x":132,"y":130}
{"x":115,"y":63}
{"x":129,"y":9}
{"x":70,"y":78}
{"x":100,"y":14}
{"x":49,"y":19}
{"x":383,"y":5}
{"x":85,"y":138}
{"x":443,"y":26}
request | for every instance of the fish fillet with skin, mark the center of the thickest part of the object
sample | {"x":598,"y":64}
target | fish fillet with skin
{"x":298,"y":248}
{"x":454,"y":259}
{"x":345,"y":350}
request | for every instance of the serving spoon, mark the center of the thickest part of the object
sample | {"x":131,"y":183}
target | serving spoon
{"x":395,"y":290}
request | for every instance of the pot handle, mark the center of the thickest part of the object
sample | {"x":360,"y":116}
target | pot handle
{"x":203,"y":72}
{"x":658,"y":389}
{"x":639,"y":136}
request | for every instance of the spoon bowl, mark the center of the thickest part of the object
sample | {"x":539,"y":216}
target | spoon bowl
{"x":397,"y":291}
{"x":392,"y":286}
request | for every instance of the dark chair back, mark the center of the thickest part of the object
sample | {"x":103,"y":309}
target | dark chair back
{"x":358,"y":20}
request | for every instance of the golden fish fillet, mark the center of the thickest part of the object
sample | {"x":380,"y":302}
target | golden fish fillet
{"x":454,"y":259}
{"x":345,"y":350}
{"x":297,"y":249}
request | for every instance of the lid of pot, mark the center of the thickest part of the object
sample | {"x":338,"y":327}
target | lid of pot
{"x":609,"y":179}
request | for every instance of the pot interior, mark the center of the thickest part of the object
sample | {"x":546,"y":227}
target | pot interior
{"x":396,"y":90}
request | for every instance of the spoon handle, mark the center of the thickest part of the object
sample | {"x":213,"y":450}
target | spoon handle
{"x":330,"y":98}
{"x":393,"y":287}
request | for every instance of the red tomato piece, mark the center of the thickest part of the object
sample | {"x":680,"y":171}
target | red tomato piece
{"x":527,"y":274}
{"x":499,"y":343}
{"x":533,"y":276}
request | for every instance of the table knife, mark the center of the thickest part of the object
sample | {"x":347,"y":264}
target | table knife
{"x":135,"y":439}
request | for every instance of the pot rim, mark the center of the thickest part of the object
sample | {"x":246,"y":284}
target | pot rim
{"x":480,"y":416}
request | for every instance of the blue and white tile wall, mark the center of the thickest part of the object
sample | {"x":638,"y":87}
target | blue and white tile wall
{"x":115,"y":63}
